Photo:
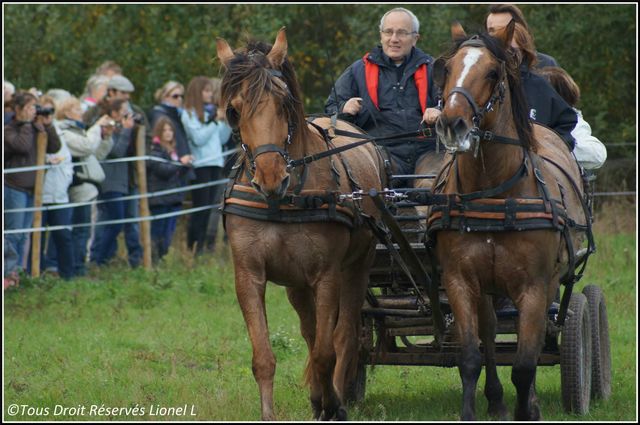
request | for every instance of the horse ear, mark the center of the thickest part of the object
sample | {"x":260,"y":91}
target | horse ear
{"x":279,"y":50}
{"x":505,"y":34}
{"x":225,"y":54}
{"x":457,"y":32}
{"x":439,"y":72}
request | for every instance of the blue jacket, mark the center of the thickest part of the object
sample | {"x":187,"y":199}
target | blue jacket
{"x":205,"y":140}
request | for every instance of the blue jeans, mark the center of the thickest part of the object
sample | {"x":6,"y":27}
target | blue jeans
{"x":61,"y":243}
{"x":105,"y":244}
{"x":80,"y":235}
{"x":162,"y":230}
{"x":14,"y":243}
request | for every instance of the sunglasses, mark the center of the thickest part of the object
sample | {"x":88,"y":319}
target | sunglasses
{"x":177,"y":96}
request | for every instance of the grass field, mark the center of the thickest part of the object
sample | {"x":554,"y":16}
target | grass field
{"x":171,"y":344}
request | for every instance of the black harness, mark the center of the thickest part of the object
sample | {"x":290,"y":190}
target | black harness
{"x":481,"y":211}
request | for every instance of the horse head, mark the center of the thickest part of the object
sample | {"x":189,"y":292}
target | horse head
{"x":260,"y":94}
{"x":474,"y":77}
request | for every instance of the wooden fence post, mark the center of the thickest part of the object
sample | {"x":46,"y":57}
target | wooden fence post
{"x":145,"y":225}
{"x":36,"y":237}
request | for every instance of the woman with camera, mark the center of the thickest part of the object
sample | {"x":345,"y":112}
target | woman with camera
{"x":206,"y":131}
{"x":87,"y":147}
{"x":59,"y":250}
{"x":20,"y":150}
{"x":116,"y":184}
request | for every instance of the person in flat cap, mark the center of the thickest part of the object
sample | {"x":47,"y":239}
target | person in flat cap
{"x":121,"y":84}
{"x":120,"y":87}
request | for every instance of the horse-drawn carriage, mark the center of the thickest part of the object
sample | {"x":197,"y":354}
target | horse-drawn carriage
{"x":509,"y":212}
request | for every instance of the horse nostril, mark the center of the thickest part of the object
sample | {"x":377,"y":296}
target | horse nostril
{"x":459,"y":126}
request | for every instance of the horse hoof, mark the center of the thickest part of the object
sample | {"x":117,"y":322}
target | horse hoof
{"x":334,"y":415}
{"x":341,"y":414}
{"x":499,"y":412}
{"x":532,"y":415}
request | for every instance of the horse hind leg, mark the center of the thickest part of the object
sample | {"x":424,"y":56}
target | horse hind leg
{"x":532,"y":307}
{"x":250,"y":292}
{"x":347,"y":333}
{"x":323,"y":356}
{"x":303,"y":302}
{"x":493,"y":388}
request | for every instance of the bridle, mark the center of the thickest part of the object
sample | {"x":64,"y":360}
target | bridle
{"x":497,"y":98}
{"x":270,"y":147}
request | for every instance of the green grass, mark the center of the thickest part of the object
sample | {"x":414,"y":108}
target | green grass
{"x":124,"y":338}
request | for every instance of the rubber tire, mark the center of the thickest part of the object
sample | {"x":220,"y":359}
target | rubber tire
{"x":601,"y":345}
{"x":575,"y":357}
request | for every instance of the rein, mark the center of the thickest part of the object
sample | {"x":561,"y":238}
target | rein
{"x":425,"y":132}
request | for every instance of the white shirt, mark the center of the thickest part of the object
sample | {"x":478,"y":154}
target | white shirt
{"x":589,"y":151}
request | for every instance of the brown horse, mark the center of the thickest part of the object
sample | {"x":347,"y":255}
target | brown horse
{"x":324,"y":265}
{"x":503,"y":160}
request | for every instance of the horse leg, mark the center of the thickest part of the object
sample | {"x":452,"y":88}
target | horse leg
{"x":493,"y":388}
{"x":532,"y":305}
{"x":323,"y":356}
{"x":347,"y":333}
{"x":250,"y":290}
{"x":303,"y":302}
{"x":470,"y":361}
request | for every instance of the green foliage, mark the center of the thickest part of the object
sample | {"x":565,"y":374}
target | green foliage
{"x":59,"y":46}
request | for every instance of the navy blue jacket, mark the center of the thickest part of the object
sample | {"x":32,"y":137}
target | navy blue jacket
{"x":547,"y":107}
{"x":398,"y":100}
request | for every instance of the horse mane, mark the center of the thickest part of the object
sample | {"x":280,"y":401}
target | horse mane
{"x":519,"y":105}
{"x":251,"y":64}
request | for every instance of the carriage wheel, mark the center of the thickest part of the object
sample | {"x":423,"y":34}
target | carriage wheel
{"x":575,"y":357}
{"x":601,"y":347}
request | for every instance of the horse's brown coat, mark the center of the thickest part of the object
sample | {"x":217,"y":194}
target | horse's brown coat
{"x":323,"y":265}
{"x":525,"y":266}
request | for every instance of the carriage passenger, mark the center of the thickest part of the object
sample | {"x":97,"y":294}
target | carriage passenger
{"x":390,"y":90}
{"x":499,"y":17}
{"x":545,"y":105}
{"x":589,"y":151}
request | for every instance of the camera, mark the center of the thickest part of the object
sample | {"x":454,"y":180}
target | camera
{"x":45,"y":112}
{"x":213,"y":112}
{"x":137,"y":118}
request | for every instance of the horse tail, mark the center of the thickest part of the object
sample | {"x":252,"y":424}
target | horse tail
{"x":308,"y":373}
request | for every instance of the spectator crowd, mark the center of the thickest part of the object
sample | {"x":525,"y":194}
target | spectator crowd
{"x":90,"y":189}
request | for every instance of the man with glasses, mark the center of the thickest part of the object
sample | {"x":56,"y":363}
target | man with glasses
{"x":119,"y":87}
{"x":390,"y":90}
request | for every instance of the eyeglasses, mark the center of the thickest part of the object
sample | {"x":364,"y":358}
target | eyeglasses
{"x":177,"y":96}
{"x":400,"y":33}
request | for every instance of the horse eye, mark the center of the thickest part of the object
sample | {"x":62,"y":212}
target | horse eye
{"x":493,"y":75}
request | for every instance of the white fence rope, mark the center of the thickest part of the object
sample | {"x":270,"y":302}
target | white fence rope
{"x":121,"y":221}
{"x":122,"y":198}
{"x":114,"y":161}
